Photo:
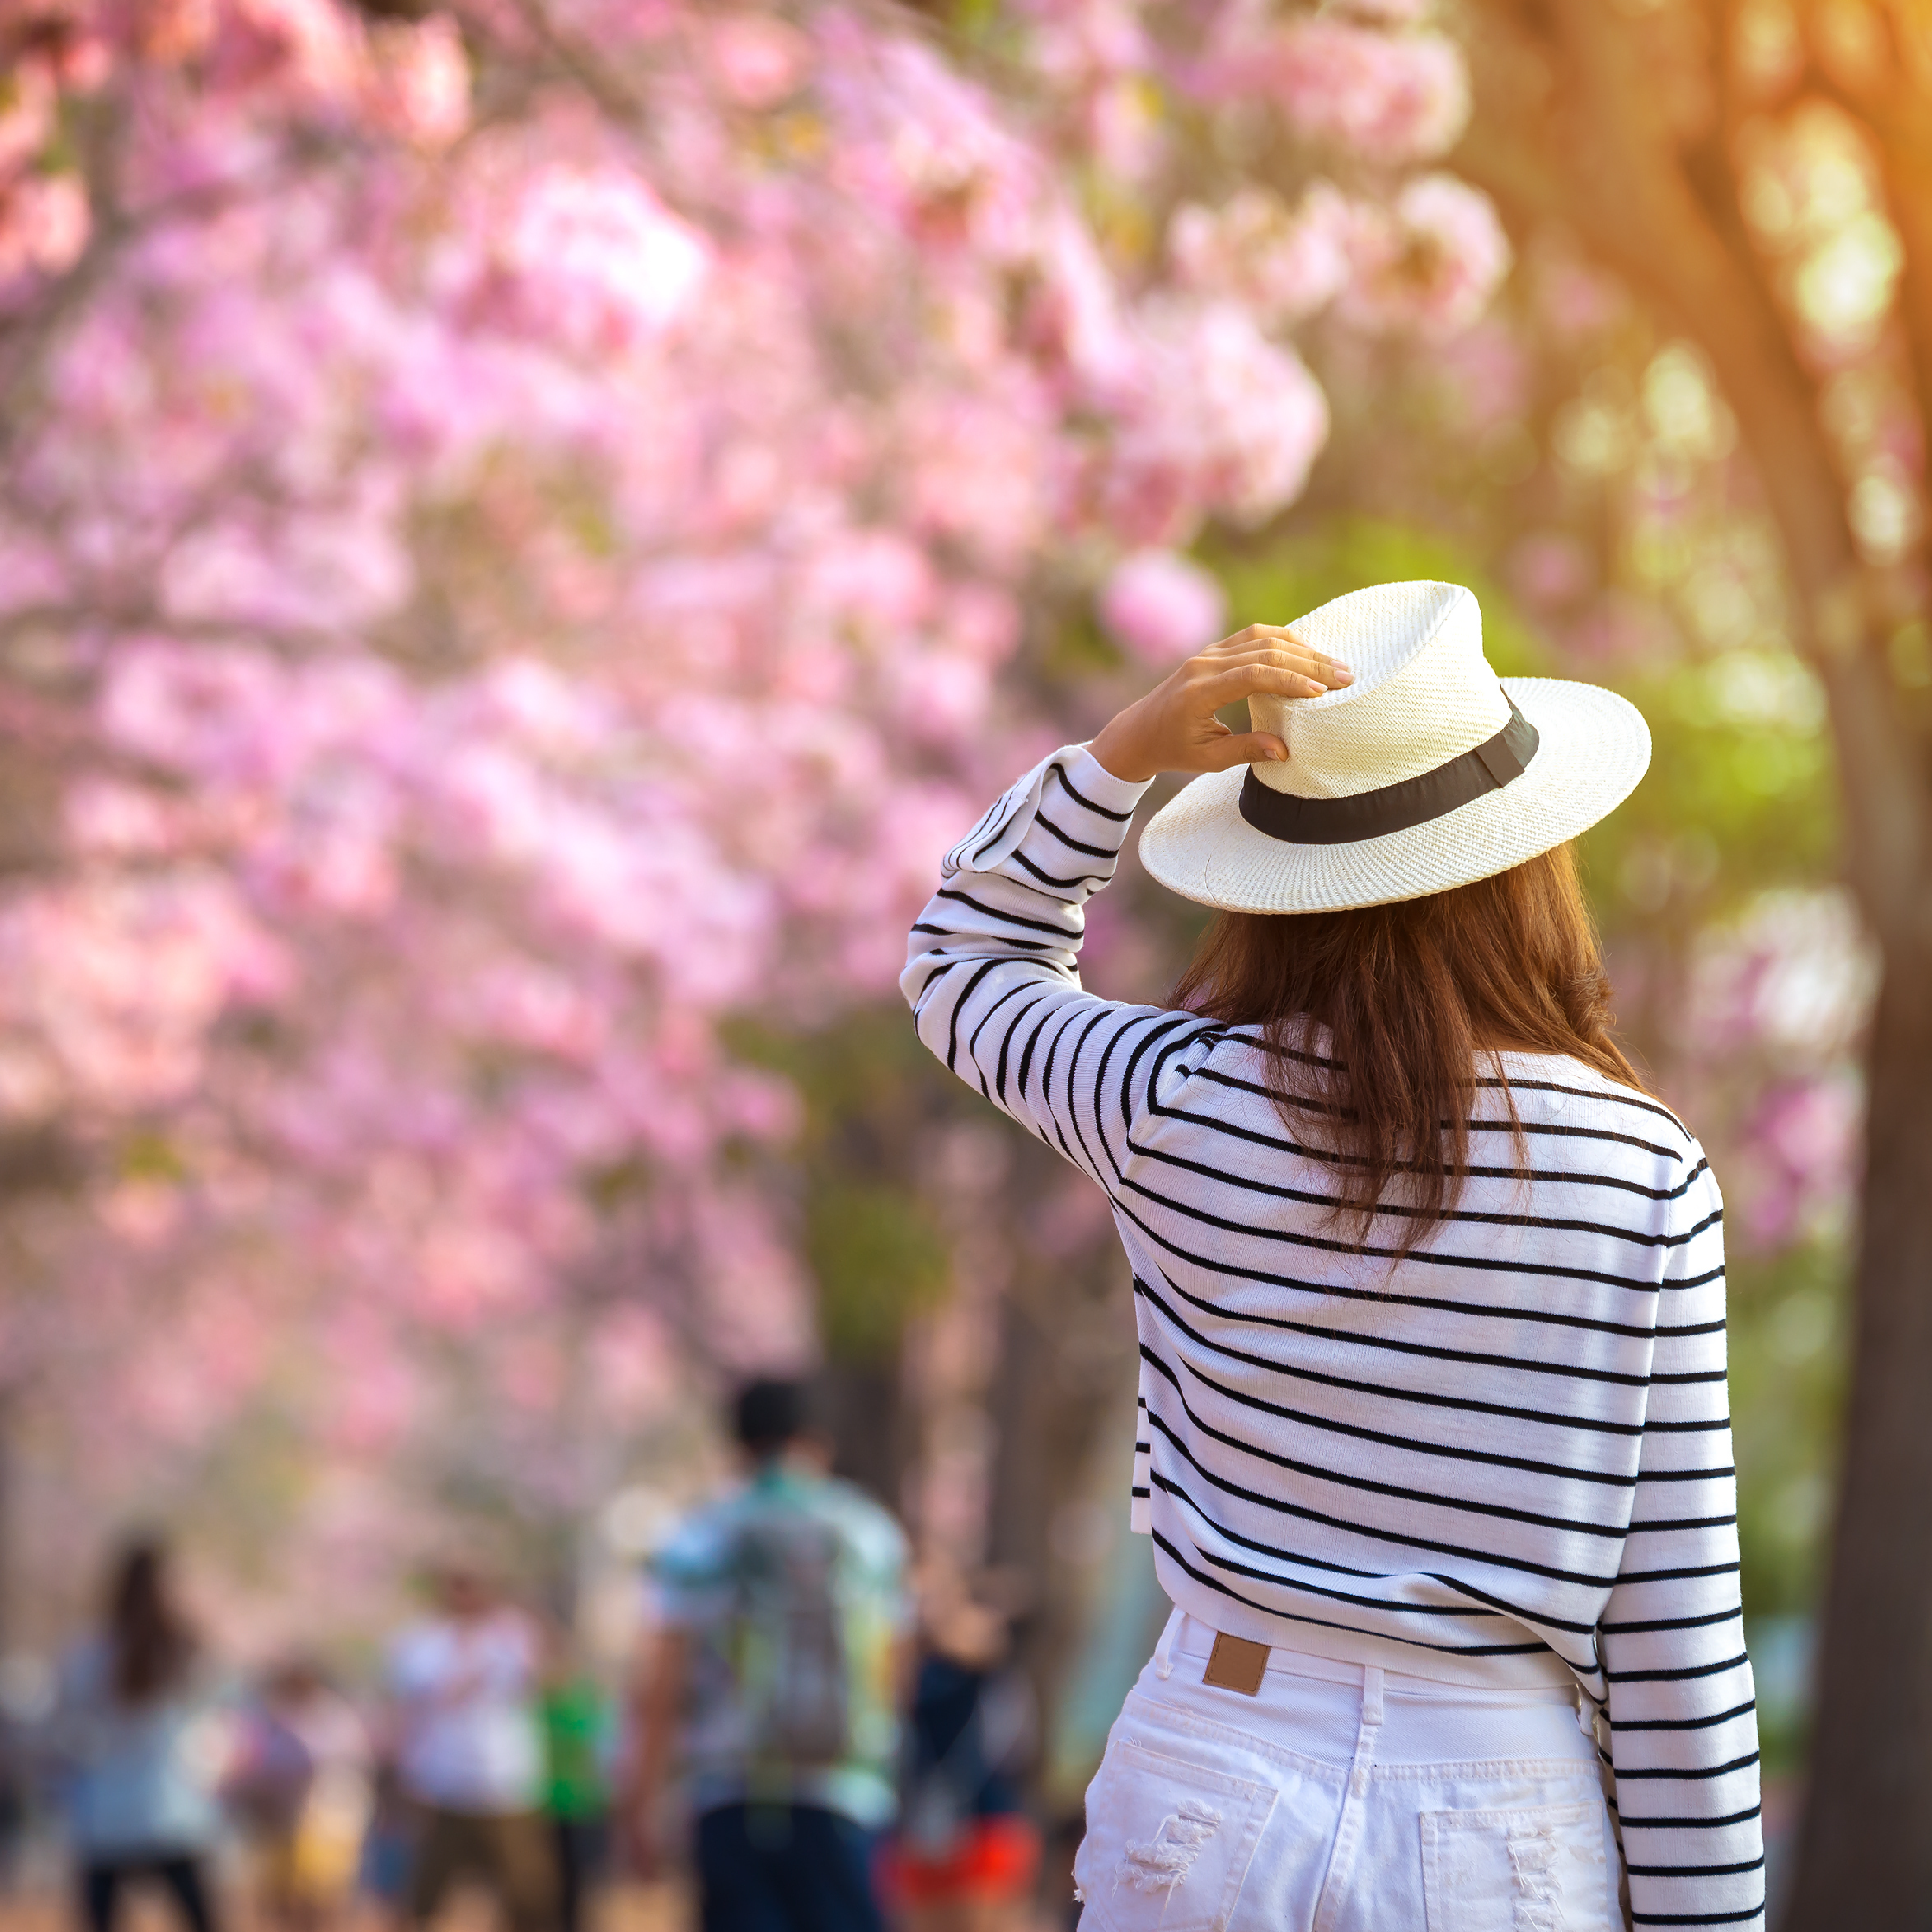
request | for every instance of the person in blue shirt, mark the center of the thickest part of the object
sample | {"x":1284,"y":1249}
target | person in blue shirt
{"x":132,"y":1729}
{"x":774,"y":1682}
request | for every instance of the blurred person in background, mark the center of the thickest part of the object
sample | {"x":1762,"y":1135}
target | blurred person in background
{"x":388,"y":1854}
{"x":966,"y":1856}
{"x":302,"y":1776}
{"x":138,"y":1736}
{"x":578,"y":1724}
{"x":772,"y":1680}
{"x":470,"y":1753}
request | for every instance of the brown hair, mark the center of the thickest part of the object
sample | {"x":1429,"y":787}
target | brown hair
{"x":150,"y":1641}
{"x":1416,"y":1000}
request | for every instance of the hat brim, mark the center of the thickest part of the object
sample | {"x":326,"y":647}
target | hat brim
{"x":1592,"y":748}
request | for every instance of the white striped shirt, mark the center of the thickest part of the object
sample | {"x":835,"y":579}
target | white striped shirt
{"x":1511,"y":1447}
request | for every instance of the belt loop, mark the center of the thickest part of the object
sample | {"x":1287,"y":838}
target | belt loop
{"x":1586,"y":1715}
{"x":1372,"y":1694}
{"x":1163,"y":1652}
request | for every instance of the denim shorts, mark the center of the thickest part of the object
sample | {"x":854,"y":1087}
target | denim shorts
{"x":1345,"y":1797}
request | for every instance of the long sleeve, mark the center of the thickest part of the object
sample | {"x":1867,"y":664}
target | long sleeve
{"x":1683,"y":1718}
{"x":992,"y":974}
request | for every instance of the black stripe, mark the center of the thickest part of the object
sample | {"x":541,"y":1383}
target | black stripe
{"x":1691,"y":1824}
{"x":1689,"y":1670}
{"x":1685,"y":1723}
{"x":1040,"y":817}
{"x":1068,"y":885}
{"x":1554,"y":1177}
{"x":1065,"y":938}
{"x":1696,"y":1871}
{"x":1723,"y":1616}
{"x":1080,"y":798}
{"x":1488,"y":1605}
{"x":979,"y":935}
{"x":1461,"y":1612}
{"x":1697,"y":1918}
{"x":1619,"y":1095}
{"x":959,"y":1007}
{"x":1389,"y":1297}
{"x":1013,"y":992}
{"x":1626,"y":1773}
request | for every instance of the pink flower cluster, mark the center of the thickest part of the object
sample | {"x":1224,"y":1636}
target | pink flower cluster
{"x":1402,"y":97}
{"x":1162,"y":607}
{"x":509,"y":595}
{"x":1429,"y":262}
{"x":1425,"y":261}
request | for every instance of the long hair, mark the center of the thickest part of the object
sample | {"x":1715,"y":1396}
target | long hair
{"x":1379,"y":1023}
{"x":149,"y":1640}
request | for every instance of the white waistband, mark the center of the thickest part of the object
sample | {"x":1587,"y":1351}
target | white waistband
{"x":1340,"y":1657}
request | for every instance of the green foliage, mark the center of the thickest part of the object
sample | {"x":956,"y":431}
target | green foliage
{"x":148,"y":1154}
{"x":1787,"y":1316}
{"x":869,"y":1088}
{"x":1741,"y":793}
{"x":1277,"y":582}
{"x":878,"y":1258}
{"x":866,"y":1081}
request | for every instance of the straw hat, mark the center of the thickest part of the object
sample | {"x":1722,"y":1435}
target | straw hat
{"x":1427,"y":772}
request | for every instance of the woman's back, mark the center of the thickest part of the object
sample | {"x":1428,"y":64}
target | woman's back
{"x":1502,"y":1457}
{"x":1464,"y":1425}
{"x":143,"y":1779}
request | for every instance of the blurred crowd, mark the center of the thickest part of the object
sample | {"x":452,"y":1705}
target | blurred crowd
{"x":810,"y":1733}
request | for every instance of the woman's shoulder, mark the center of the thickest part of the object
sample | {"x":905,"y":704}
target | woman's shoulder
{"x":1559,"y":1088}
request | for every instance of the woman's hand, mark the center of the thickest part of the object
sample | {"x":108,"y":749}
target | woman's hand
{"x":1174,"y":728}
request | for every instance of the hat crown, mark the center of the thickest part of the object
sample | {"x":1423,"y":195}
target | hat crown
{"x":1423,"y":693}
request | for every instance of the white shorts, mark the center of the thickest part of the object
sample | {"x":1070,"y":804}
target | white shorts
{"x":1344,"y":1797}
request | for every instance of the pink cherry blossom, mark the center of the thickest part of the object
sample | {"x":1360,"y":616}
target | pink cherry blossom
{"x":1229,"y":421}
{"x":758,"y":61}
{"x":1283,"y":265}
{"x":1161,"y":606}
{"x":421,"y":83}
{"x":44,"y":224}
{"x":522,"y":572}
{"x":1401,"y":96}
{"x":1430,"y":263}
{"x":603,"y":261}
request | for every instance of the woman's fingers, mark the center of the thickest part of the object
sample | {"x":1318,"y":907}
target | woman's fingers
{"x":1258,"y":633}
{"x":1242,"y":748}
{"x":1246,"y":680}
{"x":1287,"y":657}
{"x":1263,"y":637}
{"x":1291,"y":656}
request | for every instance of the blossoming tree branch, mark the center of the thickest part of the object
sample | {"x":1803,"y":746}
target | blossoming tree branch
{"x":518,"y":520}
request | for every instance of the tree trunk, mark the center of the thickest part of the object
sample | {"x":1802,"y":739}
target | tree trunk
{"x":1864,"y":1860}
{"x":1597,"y":153}
{"x":864,"y":1415}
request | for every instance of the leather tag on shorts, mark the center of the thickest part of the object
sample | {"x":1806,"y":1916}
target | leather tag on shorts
{"x":1236,"y":1664}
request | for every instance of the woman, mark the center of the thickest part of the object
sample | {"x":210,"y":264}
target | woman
{"x":134,"y":1725}
{"x":1434,"y":1445}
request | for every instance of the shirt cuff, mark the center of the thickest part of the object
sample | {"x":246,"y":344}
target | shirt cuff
{"x":1099,"y":784}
